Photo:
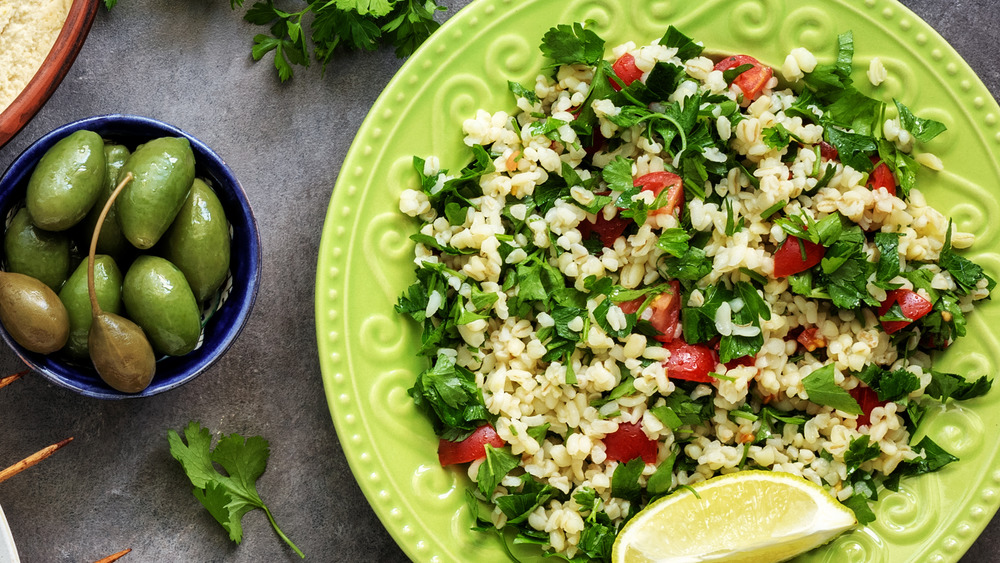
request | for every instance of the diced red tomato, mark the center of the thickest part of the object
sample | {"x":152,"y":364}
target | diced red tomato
{"x":868,"y":400}
{"x":666,"y":312}
{"x":747,"y":361}
{"x":751,"y":81}
{"x":597,"y":142}
{"x":912,"y":304}
{"x":881,"y":177}
{"x":810,"y":339}
{"x":828,"y":151}
{"x":625,"y":70}
{"x":663,"y":312}
{"x":607,"y":230}
{"x":788,"y":258}
{"x":469,"y":449}
{"x":656,"y":182}
{"x":628,"y":443}
{"x":691,"y":362}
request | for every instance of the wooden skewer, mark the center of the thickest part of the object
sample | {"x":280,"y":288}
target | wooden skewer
{"x":5,"y":381}
{"x":115,"y":557}
{"x":32,"y":460}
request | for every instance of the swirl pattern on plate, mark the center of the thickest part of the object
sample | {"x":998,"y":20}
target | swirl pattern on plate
{"x":361,"y":249}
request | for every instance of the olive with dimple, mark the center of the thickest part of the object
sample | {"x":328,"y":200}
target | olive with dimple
{"x":158,"y":298}
{"x":76,"y":298}
{"x":32,"y":313}
{"x":35,"y":252}
{"x":163,"y":170}
{"x":66,"y":181}
{"x":197,"y":241}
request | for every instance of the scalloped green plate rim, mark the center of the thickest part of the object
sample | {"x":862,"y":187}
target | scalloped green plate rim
{"x":365,"y":256}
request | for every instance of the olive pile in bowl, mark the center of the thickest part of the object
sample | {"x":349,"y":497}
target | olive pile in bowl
{"x":175,"y":261}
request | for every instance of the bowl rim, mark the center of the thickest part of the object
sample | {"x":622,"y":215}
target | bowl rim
{"x":53,"y":69}
{"x":225,"y":325}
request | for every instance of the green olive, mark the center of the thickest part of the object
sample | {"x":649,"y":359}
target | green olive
{"x":197,"y":241}
{"x":111,"y":241}
{"x":120,"y":352}
{"x":32,"y":313}
{"x":76,"y":298}
{"x":66,"y":181}
{"x":163,"y":171}
{"x":158,"y":298}
{"x":35,"y":252}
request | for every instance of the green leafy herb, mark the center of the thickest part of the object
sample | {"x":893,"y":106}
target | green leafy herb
{"x":944,"y":386}
{"x":823,"y":390}
{"x":567,"y":45}
{"x":521,"y":92}
{"x":448,"y":394}
{"x":922,"y":130}
{"x":625,"y":480}
{"x":494,"y":468}
{"x":231,"y":495}
{"x":860,"y":450}
{"x":686,"y":47}
{"x":338,"y":24}
{"x":862,"y":511}
{"x":965,"y":272}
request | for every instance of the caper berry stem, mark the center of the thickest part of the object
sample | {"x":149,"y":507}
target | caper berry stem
{"x":95,"y":307}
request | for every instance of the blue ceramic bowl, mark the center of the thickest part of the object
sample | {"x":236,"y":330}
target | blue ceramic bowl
{"x":240,"y":290}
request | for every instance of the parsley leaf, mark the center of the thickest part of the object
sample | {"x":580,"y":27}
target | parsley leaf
{"x":965,"y":272}
{"x":522,"y":92}
{"x":337,"y":24}
{"x":567,"y":45}
{"x":922,"y":130}
{"x":448,"y":394}
{"x":625,"y":481}
{"x":227,"y":497}
{"x":494,"y":468}
{"x":686,"y":47}
{"x":823,"y":390}
{"x":944,"y":386}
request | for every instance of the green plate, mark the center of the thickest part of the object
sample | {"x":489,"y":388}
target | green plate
{"x":365,"y":257}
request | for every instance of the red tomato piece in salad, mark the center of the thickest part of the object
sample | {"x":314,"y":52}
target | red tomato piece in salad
{"x":913,"y":305}
{"x":628,"y":443}
{"x":746,"y":361}
{"x":811,"y":339}
{"x":828,"y":151}
{"x":625,"y":70}
{"x":881,"y":177}
{"x":607,"y":230}
{"x":751,"y":81}
{"x":469,"y":449}
{"x":691,"y":362}
{"x":656,"y":182}
{"x":663,"y":312}
{"x":867,"y":399}
{"x":788,"y":258}
{"x":666,"y":312}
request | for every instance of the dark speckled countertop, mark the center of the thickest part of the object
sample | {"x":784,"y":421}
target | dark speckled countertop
{"x":187,"y":62}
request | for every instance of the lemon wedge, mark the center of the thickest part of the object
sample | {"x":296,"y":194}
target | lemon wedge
{"x":744,"y":517}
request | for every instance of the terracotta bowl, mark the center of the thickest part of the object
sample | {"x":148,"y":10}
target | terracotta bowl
{"x":53,"y":69}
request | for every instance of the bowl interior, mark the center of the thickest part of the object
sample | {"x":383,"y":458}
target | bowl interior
{"x":222,"y":327}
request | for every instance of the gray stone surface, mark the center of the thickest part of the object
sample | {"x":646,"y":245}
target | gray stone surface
{"x":187,"y":62}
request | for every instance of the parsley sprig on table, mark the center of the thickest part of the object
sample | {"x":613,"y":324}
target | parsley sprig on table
{"x":227,"y":497}
{"x":335,"y":24}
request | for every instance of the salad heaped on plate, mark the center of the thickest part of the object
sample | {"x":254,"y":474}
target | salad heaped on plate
{"x":666,"y":267}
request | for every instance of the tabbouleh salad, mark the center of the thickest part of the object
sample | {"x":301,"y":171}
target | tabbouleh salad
{"x":667,"y":267}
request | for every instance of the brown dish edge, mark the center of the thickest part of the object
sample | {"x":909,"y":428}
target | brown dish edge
{"x":53,"y":70}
